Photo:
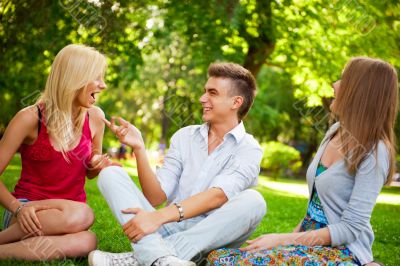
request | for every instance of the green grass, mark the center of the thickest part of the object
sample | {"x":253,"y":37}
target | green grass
{"x":286,"y":203}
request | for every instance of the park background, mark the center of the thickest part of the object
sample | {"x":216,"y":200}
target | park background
{"x":158,"y":53}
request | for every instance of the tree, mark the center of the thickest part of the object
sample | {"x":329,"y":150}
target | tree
{"x":159,"y":52}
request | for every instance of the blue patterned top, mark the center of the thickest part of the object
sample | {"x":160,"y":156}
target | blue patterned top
{"x":315,"y":217}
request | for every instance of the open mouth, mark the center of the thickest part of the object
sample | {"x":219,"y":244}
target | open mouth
{"x":93,"y":94}
{"x":206,"y":109}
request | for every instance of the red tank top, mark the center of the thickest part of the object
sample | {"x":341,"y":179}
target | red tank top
{"x":47,"y":175}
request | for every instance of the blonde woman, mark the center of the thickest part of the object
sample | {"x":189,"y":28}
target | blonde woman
{"x":354,"y":160}
{"x":59,"y":138}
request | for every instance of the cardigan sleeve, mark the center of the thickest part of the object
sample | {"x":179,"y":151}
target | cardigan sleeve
{"x":369,"y":180}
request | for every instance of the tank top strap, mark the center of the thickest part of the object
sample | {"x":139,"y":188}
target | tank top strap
{"x":42,"y":130}
{"x":86,"y":127}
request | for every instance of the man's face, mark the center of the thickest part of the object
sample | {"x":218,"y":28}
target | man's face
{"x":217,"y":104}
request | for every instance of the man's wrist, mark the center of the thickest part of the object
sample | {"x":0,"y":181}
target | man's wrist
{"x":180,"y":210}
{"x":169,"y":214}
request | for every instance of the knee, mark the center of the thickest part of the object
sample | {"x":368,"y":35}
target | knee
{"x":255,"y":201}
{"x":110,"y":176}
{"x":82,"y":244}
{"x":79,"y":218}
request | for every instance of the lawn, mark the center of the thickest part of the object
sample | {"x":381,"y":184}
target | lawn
{"x":286,"y":200}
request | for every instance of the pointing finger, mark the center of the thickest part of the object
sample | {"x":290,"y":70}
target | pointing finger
{"x":108,"y":123}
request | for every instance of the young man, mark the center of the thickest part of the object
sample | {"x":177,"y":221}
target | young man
{"x":204,"y":180}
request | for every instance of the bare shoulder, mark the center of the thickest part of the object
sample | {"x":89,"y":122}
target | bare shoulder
{"x":96,"y":116}
{"x":27,"y":116}
{"x":24,"y":125}
{"x":96,"y":113}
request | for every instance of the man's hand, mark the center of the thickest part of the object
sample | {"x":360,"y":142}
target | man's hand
{"x":144,"y":223}
{"x":126,"y":132}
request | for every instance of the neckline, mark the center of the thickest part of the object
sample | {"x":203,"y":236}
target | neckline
{"x":325,"y":144}
{"x":320,"y":164}
{"x":44,"y":134}
{"x":80,"y":140}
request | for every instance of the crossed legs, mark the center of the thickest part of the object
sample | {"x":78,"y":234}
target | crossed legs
{"x":64,"y":229}
{"x":231,"y":224}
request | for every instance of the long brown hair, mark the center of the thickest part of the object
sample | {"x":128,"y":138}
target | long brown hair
{"x":366,"y":106}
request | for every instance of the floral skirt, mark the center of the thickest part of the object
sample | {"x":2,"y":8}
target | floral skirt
{"x":285,"y":255}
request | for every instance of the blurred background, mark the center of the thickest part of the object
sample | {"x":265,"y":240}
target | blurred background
{"x":159,"y":50}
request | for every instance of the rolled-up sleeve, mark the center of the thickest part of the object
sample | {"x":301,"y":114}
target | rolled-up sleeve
{"x":169,"y":173}
{"x":240,"y":172}
{"x":369,"y":181}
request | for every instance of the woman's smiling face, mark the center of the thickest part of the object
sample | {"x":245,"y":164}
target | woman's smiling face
{"x":87,"y":96}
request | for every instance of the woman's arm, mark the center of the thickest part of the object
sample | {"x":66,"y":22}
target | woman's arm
{"x":369,"y":180}
{"x":98,"y":161}
{"x":297,"y":228}
{"x":320,"y":237}
{"x":21,"y":129}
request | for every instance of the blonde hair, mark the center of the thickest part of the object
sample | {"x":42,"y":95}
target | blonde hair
{"x":366,"y":106}
{"x":74,"y":67}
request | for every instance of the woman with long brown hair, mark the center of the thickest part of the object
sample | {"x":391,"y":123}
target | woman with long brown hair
{"x":355,"y":159}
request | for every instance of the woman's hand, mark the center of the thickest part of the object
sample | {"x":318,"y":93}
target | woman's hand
{"x":319,"y":237}
{"x":100,"y":161}
{"x":126,"y":132}
{"x":28,"y":220}
{"x":267,"y":241}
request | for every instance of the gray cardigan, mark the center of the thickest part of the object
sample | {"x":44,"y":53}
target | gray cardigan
{"x":348,"y":200}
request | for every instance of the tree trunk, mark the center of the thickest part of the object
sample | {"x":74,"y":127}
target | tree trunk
{"x":261,"y":46}
{"x":256,"y":57}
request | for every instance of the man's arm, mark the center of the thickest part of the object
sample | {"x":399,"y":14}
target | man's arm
{"x":195,"y":205}
{"x":148,"y":181}
{"x":146,"y":222}
{"x":237,"y":175}
{"x":151,"y":187}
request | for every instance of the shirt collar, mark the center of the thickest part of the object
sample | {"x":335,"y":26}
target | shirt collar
{"x":204,"y":131}
{"x":237,"y":132}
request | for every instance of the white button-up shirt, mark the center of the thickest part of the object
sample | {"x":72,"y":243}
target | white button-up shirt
{"x":188,"y":169}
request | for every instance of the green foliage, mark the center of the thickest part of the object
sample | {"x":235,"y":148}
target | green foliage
{"x":278,"y":158}
{"x":272,"y":113}
{"x":159,"y":52}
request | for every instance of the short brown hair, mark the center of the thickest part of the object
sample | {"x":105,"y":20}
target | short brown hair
{"x":244,"y":83}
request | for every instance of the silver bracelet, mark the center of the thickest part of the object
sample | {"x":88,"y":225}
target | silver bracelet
{"x":18,"y":210}
{"x":180,"y":209}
